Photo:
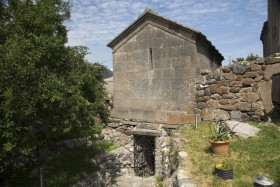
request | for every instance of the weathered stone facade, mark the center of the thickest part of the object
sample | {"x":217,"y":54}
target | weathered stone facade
{"x":270,"y":35}
{"x":270,"y":38}
{"x":240,"y":92}
{"x":155,"y":61}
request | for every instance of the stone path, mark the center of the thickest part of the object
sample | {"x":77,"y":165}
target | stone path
{"x":130,"y":180}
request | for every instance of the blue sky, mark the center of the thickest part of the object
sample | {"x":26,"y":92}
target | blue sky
{"x":233,"y":27}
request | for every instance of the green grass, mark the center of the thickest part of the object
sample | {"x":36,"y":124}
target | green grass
{"x":253,"y":157}
{"x":63,"y":169}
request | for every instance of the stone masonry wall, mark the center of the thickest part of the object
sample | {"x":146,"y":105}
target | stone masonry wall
{"x":241,"y":91}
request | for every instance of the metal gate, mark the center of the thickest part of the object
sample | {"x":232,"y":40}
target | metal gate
{"x":144,"y":155}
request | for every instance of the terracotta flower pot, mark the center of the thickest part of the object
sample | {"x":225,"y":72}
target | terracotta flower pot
{"x":219,"y":147}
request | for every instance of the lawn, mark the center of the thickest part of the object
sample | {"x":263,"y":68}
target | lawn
{"x":253,"y":157}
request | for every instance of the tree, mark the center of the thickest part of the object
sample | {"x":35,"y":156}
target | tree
{"x":252,"y":57}
{"x":46,"y":88}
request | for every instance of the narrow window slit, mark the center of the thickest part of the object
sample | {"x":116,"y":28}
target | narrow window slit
{"x":151,"y":59}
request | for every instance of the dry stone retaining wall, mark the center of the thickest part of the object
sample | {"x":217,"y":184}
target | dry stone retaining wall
{"x":241,"y":91}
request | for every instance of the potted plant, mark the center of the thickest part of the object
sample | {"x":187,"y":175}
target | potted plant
{"x":224,"y":169}
{"x":219,"y":137}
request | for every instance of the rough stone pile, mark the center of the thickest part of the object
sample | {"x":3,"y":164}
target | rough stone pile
{"x":241,"y":91}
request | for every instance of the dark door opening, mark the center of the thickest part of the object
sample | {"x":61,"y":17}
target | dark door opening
{"x":144,"y":155}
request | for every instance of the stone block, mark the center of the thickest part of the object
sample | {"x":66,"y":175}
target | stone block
{"x":234,"y":89}
{"x":239,"y":78}
{"x":201,"y":105}
{"x":224,"y":102}
{"x":243,"y":130}
{"x":207,"y":91}
{"x":228,"y":107}
{"x":230,"y":76}
{"x":265,"y":94}
{"x":241,"y":68}
{"x":212,"y":103}
{"x":259,"y":78}
{"x":216,"y":96}
{"x":226,"y":69}
{"x":228,"y":96}
{"x":177,"y":118}
{"x":214,"y":88}
{"x":244,"y":106}
{"x":136,"y":114}
{"x":235,"y":84}
{"x":247,"y":81}
{"x":271,"y":70}
{"x":223,"y":90}
{"x":250,"y":75}
{"x":252,"y":97}
{"x":223,"y":83}
{"x":255,"y":67}
{"x":210,"y":115}
{"x":203,"y":99}
{"x":235,"y":115}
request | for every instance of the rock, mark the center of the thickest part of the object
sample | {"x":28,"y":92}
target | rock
{"x":209,"y":115}
{"x":201,"y":105}
{"x":211,"y":81}
{"x":255,"y":67}
{"x":213,"y":103}
{"x":241,"y":68}
{"x":228,"y":96}
{"x":235,"y":84}
{"x":271,"y":70}
{"x":216,"y":96}
{"x":226,"y":69}
{"x":252,"y":97}
{"x":205,"y":72}
{"x":245,"y":117}
{"x":259,"y":61}
{"x":214,"y":88}
{"x":183,"y":154}
{"x":265,"y":94}
{"x":183,"y":180}
{"x":207,"y":91}
{"x":228,"y":107}
{"x":223,"y":90}
{"x":247,"y":81}
{"x":230,"y":76}
{"x":244,"y":106}
{"x":234,"y":89}
{"x":217,"y":74}
{"x":235,"y":115}
{"x":243,"y":130}
{"x":259,"y":78}
{"x":224,"y":102}
{"x":250,"y":75}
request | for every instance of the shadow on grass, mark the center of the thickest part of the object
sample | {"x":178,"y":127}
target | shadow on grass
{"x":63,"y":169}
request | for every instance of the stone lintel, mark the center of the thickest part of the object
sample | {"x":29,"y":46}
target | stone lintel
{"x":144,"y":132}
{"x":150,"y":126}
{"x":170,"y":126}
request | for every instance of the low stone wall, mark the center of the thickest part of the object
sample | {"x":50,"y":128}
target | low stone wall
{"x":241,"y":91}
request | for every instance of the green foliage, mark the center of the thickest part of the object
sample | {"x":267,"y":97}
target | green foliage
{"x":63,"y":169}
{"x":240,"y":59}
{"x":159,"y":181}
{"x":252,"y":57}
{"x":220,"y":132}
{"x":47,"y":90}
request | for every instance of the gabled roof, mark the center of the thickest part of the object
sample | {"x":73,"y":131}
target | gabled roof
{"x":150,"y":13}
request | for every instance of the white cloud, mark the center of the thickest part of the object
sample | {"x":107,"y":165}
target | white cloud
{"x":226,"y":23}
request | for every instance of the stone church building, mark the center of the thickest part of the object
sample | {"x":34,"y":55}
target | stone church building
{"x":270,"y":38}
{"x":155,"y":63}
